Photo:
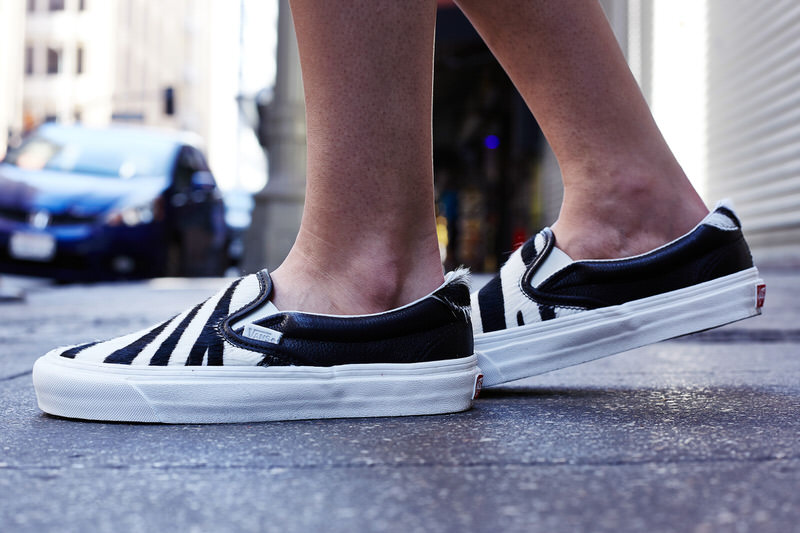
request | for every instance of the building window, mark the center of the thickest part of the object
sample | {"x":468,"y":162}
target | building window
{"x":56,"y":5}
{"x":31,"y":6}
{"x":29,"y":60}
{"x":79,"y":61}
{"x":53,"y":60}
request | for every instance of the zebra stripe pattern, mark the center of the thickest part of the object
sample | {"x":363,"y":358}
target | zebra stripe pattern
{"x":502,"y":303}
{"x":195,"y":333}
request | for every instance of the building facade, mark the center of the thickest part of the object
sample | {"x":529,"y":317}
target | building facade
{"x":95,"y":61}
{"x":12,"y":36}
{"x":133,"y":61}
{"x":67,"y":61}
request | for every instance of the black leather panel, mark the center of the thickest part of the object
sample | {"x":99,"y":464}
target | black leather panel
{"x":705,"y":254}
{"x":450,"y":341}
{"x":436,"y":328}
{"x":528,"y":251}
{"x":427,"y":314}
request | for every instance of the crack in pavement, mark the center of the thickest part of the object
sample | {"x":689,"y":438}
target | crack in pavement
{"x":742,"y":335}
{"x":367,"y":464}
{"x":17,"y":375}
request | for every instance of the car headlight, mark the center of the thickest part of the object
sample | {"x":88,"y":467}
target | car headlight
{"x":133,"y":216}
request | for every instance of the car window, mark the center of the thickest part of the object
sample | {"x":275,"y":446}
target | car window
{"x":198,"y":162}
{"x":183,"y":170}
{"x":97,"y":152}
{"x":190,"y":161}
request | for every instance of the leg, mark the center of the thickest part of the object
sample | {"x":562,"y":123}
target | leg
{"x":367,"y":241}
{"x":367,"y":244}
{"x":624,"y":192}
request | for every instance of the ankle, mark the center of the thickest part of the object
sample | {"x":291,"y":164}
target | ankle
{"x":369,"y":280}
{"x":637,"y":216}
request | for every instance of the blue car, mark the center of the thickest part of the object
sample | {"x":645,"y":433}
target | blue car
{"x":82,"y":204}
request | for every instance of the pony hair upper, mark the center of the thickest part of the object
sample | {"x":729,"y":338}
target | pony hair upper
{"x":459,"y":276}
{"x":455,"y":292}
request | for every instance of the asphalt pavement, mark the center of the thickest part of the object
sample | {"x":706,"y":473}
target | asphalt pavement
{"x":699,"y":434}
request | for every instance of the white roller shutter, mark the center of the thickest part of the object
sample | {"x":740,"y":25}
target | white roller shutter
{"x":754,"y":119}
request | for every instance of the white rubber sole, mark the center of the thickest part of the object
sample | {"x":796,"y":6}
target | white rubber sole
{"x":96,"y":391}
{"x":534,"y":349}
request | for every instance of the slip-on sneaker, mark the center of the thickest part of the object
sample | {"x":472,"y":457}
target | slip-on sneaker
{"x":544,"y":311}
{"x":235,"y":358}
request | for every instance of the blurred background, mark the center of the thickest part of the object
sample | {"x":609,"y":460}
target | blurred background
{"x":141,"y":138}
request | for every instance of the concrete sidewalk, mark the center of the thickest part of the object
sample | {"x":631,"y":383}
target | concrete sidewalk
{"x":699,"y":434}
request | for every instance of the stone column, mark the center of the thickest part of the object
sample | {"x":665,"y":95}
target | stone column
{"x":279,"y":205}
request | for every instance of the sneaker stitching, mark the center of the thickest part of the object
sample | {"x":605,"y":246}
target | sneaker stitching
{"x":229,"y":337}
{"x":527,"y":276}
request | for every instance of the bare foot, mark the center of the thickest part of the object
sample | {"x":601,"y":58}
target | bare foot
{"x":631,"y":222}
{"x":321,"y":279}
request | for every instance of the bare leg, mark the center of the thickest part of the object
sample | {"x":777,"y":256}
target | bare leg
{"x":624,"y":192}
{"x":367,"y":242}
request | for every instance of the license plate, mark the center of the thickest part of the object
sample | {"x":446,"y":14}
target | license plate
{"x":32,"y":246}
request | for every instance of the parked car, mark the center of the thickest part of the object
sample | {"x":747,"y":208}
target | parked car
{"x":82,"y":204}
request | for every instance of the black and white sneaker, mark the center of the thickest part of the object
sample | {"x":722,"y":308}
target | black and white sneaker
{"x":544,"y":311}
{"x":235,"y":358}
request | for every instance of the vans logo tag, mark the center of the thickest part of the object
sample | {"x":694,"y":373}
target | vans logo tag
{"x":259,"y":333}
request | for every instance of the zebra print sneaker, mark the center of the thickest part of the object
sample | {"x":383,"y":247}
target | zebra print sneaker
{"x":235,"y":358}
{"x":544,"y":311}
